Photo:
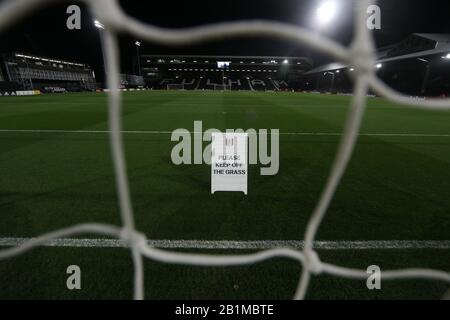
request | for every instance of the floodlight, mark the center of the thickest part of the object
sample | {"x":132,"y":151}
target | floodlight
{"x":138,"y":59}
{"x":286,"y":61}
{"x":446,"y":56}
{"x":379,"y":66}
{"x":326,"y":12}
{"x":352,"y":69}
{"x":98,"y":24}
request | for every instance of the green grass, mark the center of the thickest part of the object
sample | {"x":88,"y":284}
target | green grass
{"x":396,"y":188}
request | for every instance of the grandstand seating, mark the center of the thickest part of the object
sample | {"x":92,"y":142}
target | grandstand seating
{"x":252,"y":73}
{"x":195,"y":82}
{"x":38,"y":73}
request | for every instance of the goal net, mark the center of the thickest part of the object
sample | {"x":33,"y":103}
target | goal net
{"x":175,"y":87}
{"x":222,"y":87}
{"x":360,"y":55}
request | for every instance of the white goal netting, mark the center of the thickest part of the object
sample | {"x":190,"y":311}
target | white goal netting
{"x":360,"y":55}
{"x":175,"y":87}
{"x":222,"y":87}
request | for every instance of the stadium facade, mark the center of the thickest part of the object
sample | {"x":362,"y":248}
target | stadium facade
{"x":31,"y":72}
{"x":418,"y":66}
{"x":224,"y":72}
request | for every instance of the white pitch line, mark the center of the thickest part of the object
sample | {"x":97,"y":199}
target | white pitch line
{"x":240,"y":245}
{"x":170,"y":132}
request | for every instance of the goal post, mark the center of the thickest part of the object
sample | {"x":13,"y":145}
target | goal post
{"x":222,"y":87}
{"x":174,"y":86}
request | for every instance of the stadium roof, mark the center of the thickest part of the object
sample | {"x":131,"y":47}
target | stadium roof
{"x":415,"y":46}
{"x":218,"y":57}
{"x":230,"y":57}
{"x":49,"y":60}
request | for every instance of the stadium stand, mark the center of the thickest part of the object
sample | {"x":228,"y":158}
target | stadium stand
{"x":48,"y":75}
{"x":224,"y":72}
{"x":417,"y":66}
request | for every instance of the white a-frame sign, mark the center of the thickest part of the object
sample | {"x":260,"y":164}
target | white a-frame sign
{"x":229,"y":165}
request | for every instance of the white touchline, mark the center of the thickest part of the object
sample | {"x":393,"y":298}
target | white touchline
{"x":170,"y":132}
{"x":240,"y":245}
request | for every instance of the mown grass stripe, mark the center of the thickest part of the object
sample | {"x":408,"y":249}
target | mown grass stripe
{"x":170,"y":132}
{"x":240,"y":245}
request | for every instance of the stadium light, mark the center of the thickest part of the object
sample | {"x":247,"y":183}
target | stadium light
{"x":326,"y":12}
{"x":379,"y":66}
{"x":286,"y":61}
{"x":99,"y":25}
{"x":138,"y":57}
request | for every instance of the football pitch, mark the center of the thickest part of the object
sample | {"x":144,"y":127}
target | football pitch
{"x":392,"y":208}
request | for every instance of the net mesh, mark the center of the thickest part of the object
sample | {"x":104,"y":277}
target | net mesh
{"x":175,"y":87}
{"x":360,"y":55}
{"x":222,"y":87}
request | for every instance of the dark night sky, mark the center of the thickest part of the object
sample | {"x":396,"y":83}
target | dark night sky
{"x":45,"y":33}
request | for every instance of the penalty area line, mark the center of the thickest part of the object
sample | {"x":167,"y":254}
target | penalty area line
{"x":238,"y":245}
